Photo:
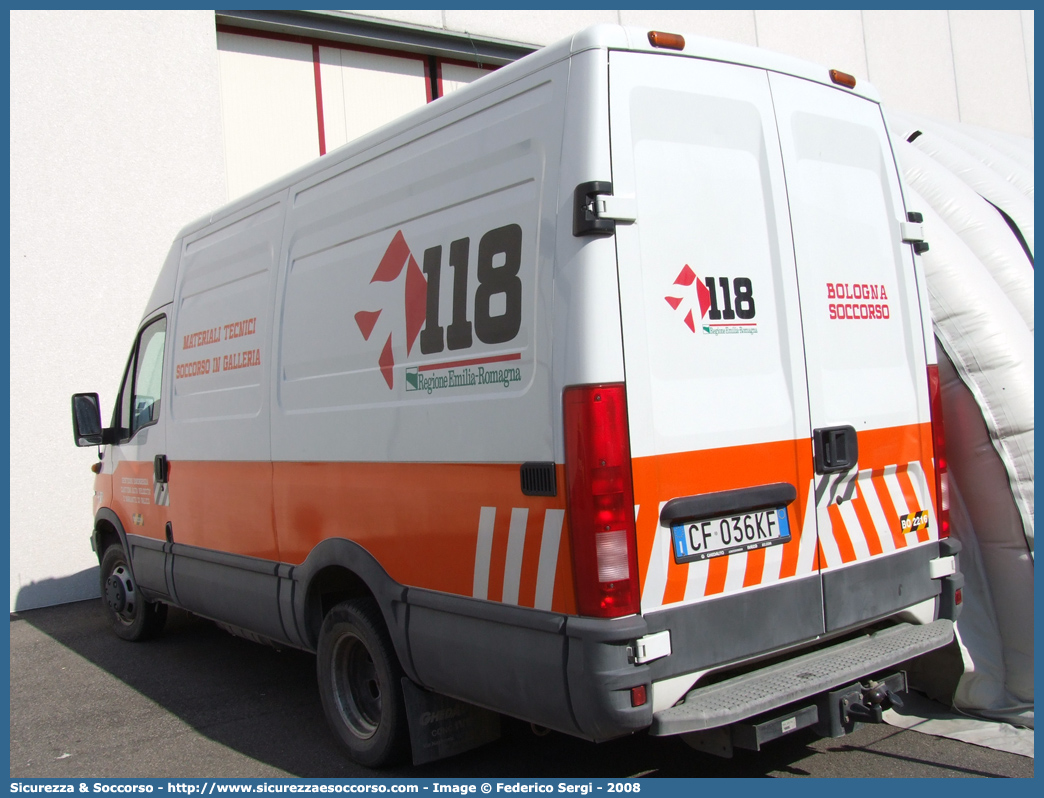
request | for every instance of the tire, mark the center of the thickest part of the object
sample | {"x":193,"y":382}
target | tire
{"x":131,"y":616}
{"x":360,"y":684}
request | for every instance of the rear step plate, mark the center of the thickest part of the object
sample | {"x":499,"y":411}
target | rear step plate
{"x":793,"y":680}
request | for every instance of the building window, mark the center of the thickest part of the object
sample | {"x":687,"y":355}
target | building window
{"x":286,"y":100}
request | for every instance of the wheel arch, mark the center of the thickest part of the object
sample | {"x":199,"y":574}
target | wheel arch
{"x":337,"y":570}
{"x":108,"y":530}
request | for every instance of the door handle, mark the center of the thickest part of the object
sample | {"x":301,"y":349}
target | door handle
{"x":159,"y":468}
{"x":835,"y":449}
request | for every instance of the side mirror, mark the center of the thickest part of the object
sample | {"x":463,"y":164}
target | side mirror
{"x":86,"y":414}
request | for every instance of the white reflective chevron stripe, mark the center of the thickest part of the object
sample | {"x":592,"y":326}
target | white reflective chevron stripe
{"x":807,"y":544}
{"x":696,"y":581}
{"x":873,"y":505}
{"x":736,"y":572}
{"x":516,"y":545}
{"x":518,"y":587}
{"x":483,"y":552}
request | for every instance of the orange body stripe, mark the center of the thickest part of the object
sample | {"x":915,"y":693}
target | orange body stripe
{"x":717,"y":571}
{"x":225,"y":506}
{"x":677,"y":578}
{"x":421,"y":520}
{"x":755,"y":568}
{"x":565,"y":595}
{"x":131,"y":493}
{"x":664,"y":477}
{"x":660,"y":478}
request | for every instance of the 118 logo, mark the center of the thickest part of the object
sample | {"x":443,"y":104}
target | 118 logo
{"x":725,"y":305}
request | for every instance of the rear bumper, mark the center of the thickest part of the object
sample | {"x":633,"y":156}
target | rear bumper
{"x":799,"y":678}
{"x":567,"y":673}
{"x":576,"y":674}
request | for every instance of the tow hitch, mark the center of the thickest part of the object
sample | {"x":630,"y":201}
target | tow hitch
{"x":840,"y":710}
{"x":832,"y":714}
{"x":876,"y":699}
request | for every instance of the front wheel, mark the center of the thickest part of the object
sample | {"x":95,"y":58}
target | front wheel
{"x":360,"y":683}
{"x":131,"y":616}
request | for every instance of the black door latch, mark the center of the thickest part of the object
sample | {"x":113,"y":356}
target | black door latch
{"x":835,"y":449}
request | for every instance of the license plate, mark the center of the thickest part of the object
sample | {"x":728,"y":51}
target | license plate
{"x":729,"y":534}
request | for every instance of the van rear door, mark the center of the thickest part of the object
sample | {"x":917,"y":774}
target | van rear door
{"x":864,"y":352}
{"x":714,"y":364}
{"x":772,"y":336}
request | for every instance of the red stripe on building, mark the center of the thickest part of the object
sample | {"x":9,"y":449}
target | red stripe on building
{"x":319,"y":99}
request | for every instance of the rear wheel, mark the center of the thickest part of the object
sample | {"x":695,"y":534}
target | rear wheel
{"x":132,"y":617}
{"x":360,"y":683}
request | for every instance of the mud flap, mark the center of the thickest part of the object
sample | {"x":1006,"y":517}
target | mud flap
{"x":441,"y":726}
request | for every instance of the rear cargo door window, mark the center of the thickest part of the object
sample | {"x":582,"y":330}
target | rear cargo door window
{"x":863,"y":343}
{"x":714,"y":363}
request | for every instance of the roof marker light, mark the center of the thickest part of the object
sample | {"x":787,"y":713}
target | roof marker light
{"x":842,"y":78}
{"x":667,"y":41}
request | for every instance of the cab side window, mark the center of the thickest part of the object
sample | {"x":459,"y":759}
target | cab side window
{"x":139,"y":403}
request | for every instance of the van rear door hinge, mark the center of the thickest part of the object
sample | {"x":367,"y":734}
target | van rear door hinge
{"x":912,"y":232}
{"x":596,"y":211}
{"x":651,"y":647}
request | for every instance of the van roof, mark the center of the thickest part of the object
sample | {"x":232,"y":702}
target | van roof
{"x":605,"y":37}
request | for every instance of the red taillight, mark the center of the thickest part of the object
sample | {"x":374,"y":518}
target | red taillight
{"x":601,"y":500}
{"x":942,"y":483}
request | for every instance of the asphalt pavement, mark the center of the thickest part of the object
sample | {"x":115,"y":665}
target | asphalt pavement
{"x":198,"y":703}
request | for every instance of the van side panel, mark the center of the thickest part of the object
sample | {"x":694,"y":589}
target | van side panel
{"x":220,"y":480}
{"x":511,"y":548}
{"x":413,"y":352}
{"x":587,"y":327}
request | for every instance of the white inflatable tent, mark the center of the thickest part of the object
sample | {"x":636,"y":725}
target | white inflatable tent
{"x":975,"y":190}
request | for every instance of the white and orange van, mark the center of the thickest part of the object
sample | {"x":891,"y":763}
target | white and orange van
{"x":601,"y":394}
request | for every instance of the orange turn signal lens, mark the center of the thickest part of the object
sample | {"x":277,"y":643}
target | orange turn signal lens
{"x":666,"y":41}
{"x":843,"y":79}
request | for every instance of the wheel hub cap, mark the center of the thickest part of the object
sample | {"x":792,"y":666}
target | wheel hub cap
{"x":117,"y":590}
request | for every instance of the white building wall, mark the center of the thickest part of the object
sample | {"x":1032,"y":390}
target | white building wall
{"x":115,"y":144}
{"x":257,"y":77}
{"x":990,"y":64}
{"x":117,"y":140}
{"x":964,"y":66}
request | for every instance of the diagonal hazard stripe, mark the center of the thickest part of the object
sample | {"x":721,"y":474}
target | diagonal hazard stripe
{"x":879,"y":479}
{"x":866,"y":522}
{"x":912,"y":504}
